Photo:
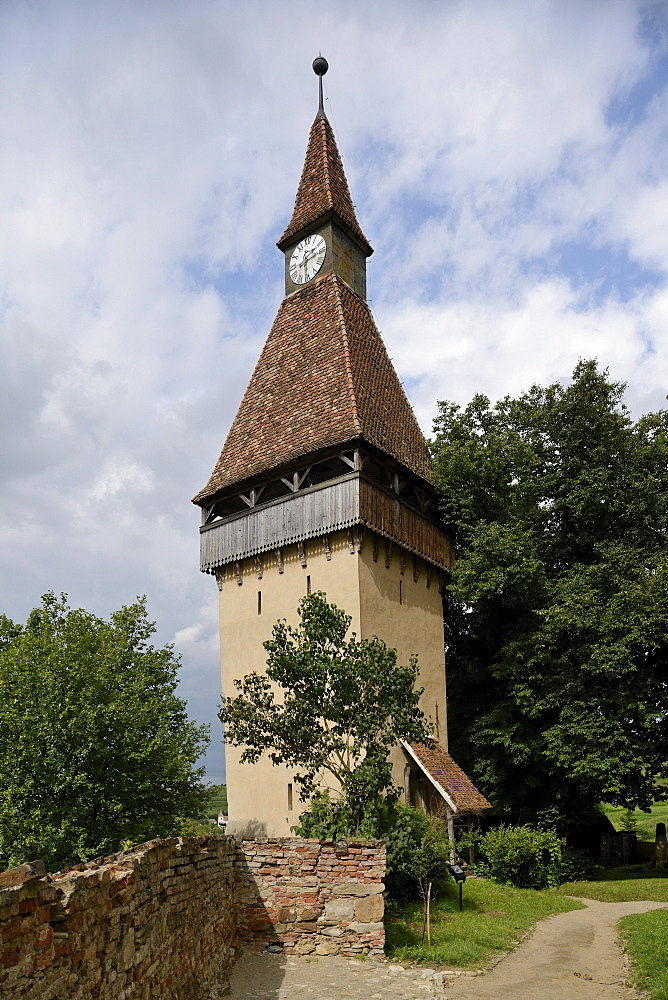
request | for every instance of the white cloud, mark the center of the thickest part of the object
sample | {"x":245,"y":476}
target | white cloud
{"x":151,"y":153}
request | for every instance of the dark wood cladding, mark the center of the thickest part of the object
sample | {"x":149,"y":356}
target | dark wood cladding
{"x":349,"y":501}
{"x":389,"y":517}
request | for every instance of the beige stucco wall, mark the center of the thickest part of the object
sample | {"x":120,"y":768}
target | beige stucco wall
{"x":381,"y":601}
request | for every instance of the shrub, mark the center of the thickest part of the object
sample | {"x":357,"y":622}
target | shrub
{"x":417,"y":854}
{"x":521,"y":856}
{"x":325,"y":819}
{"x":576,"y":866}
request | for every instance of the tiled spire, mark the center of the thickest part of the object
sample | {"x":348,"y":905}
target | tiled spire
{"x":323,"y":379}
{"x":323,"y":188}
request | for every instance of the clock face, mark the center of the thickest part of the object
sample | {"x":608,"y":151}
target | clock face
{"x":307,"y":258}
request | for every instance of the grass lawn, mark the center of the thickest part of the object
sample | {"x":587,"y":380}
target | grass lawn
{"x":620,"y":885}
{"x":646,"y":938}
{"x":646,"y":828}
{"x":493,"y":919}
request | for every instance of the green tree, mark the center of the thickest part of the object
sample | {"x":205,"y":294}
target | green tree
{"x":557,"y":612}
{"x":328,"y":706}
{"x":95,"y":746}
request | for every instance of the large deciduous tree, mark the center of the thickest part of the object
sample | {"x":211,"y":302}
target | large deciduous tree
{"x":95,"y":746}
{"x":329,"y":706}
{"x":557,"y":612}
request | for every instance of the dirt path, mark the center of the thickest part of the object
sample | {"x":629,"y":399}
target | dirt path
{"x":570,"y":956}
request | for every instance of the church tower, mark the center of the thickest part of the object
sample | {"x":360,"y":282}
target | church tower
{"x":324,"y":483}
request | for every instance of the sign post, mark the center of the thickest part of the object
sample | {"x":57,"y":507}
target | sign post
{"x":459,"y":876}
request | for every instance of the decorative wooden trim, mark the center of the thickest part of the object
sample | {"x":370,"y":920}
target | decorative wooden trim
{"x":209,"y":514}
{"x":416,"y":568}
{"x":239,"y":571}
{"x":351,"y":542}
{"x":388,"y":552}
{"x":428,"y":574}
{"x":402,"y":561}
{"x":259,"y":565}
{"x":279,"y":559}
{"x":302,"y":553}
{"x":328,"y":548}
{"x":376,"y":546}
{"x":220,"y":576}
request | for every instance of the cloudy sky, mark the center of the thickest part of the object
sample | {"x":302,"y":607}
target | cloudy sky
{"x":509,"y":163}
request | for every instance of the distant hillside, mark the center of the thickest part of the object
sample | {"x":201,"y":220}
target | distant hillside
{"x":217,"y":803}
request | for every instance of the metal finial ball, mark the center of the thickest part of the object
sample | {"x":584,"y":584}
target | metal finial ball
{"x":320,"y":66}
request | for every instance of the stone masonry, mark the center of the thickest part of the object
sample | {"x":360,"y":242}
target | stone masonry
{"x":165,"y":918}
{"x":312,"y":897}
{"x":155,"y":920}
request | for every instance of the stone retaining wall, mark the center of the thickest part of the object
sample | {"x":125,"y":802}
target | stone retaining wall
{"x":312,"y":897}
{"x":162,"y":919}
{"x":156,"y":920}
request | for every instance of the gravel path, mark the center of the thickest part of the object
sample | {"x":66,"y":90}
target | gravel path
{"x":570,"y":956}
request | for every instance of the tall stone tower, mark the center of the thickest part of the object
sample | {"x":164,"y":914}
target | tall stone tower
{"x":324,"y":483}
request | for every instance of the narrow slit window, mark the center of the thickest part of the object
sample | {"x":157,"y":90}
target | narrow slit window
{"x":259,"y":602}
{"x":308,"y":584}
{"x":401,"y":591}
{"x":289,"y":798}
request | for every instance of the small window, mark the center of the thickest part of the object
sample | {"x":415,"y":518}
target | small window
{"x":401,"y":591}
{"x":289,"y":798}
{"x":308,"y":584}
{"x":259,"y":602}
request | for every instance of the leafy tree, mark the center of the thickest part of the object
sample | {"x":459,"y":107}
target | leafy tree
{"x":557,"y":612}
{"x":329,"y":706}
{"x":95,"y":747}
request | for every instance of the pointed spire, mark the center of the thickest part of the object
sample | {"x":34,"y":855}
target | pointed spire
{"x":324,"y":378}
{"x":323,"y":189}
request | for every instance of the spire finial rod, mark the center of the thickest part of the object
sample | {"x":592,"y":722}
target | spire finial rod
{"x":320,"y":67}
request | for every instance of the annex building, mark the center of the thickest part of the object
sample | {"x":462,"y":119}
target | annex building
{"x":325,"y":484}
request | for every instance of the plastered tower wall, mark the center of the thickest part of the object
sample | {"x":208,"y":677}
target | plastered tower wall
{"x":399,"y":602}
{"x":258,"y":798}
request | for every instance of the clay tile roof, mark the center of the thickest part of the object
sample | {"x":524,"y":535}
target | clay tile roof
{"x":448,"y":777}
{"x":323,"y":186}
{"x":324,"y":378}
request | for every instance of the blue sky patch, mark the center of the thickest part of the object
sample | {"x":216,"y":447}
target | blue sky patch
{"x":608,"y":270}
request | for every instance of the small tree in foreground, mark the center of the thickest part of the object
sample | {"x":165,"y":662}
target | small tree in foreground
{"x":95,"y":746}
{"x":330,"y":707}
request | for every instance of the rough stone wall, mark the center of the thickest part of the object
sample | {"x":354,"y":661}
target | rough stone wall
{"x":162,"y":919}
{"x":312,"y":897}
{"x":158,"y":920}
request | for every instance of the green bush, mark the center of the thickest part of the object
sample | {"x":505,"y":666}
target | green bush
{"x":576,"y":866}
{"x":418,"y":852}
{"x":521,"y":856}
{"x":325,"y":819}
